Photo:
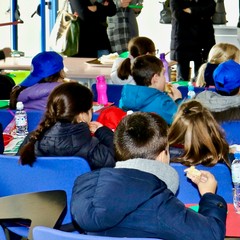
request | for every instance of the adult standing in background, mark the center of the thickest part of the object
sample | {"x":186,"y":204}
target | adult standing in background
{"x":123,"y":26}
{"x":93,"y":39}
{"x":192,"y":34}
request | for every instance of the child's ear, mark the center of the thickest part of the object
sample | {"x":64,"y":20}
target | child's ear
{"x":164,"y":157}
{"x":154,"y":79}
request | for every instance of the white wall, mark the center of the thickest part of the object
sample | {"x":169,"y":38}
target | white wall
{"x":29,"y":32}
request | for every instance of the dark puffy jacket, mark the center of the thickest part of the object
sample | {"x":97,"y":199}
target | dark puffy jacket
{"x":191,"y":32}
{"x":66,"y":139}
{"x":131,"y":203}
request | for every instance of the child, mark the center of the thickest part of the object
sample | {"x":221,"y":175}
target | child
{"x":201,"y":136}
{"x":219,"y":53}
{"x":121,"y":69}
{"x":224,"y":104}
{"x":47,"y":73}
{"x":66,"y":130}
{"x":129,"y":201}
{"x":149,"y":95}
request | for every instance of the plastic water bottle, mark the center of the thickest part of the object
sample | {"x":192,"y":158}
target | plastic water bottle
{"x":101,"y":86}
{"x":21,"y":120}
{"x":236,"y":182}
{"x":165,"y":64}
{"x":191,"y":93}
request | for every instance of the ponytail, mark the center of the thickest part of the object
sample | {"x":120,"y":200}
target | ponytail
{"x":27,"y":152}
{"x":124,"y":70}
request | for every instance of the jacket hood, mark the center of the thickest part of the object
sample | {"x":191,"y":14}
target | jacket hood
{"x":137,"y":97}
{"x":63,"y":139}
{"x":94,"y":200}
{"x":216,"y":102}
{"x":161,"y":170}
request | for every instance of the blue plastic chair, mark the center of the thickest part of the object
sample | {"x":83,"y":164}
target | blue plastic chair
{"x":114,"y":92}
{"x":232,"y":131}
{"x":2,"y":234}
{"x":44,"y":233}
{"x":188,"y":192}
{"x":47,"y":173}
{"x":34,"y":117}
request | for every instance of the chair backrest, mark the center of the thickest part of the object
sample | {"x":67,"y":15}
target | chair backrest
{"x":188,"y":192}
{"x":114,"y":92}
{"x":47,"y":173}
{"x":43,"y":233}
{"x":34,"y":117}
{"x":184,"y":90}
{"x":232,"y":131}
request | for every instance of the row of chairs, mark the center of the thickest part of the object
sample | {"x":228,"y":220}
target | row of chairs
{"x":59,"y":173}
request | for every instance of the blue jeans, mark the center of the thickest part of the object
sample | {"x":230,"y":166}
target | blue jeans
{"x":102,"y":52}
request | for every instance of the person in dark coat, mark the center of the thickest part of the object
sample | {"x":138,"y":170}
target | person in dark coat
{"x":93,"y":39}
{"x":192,"y":34}
{"x":66,"y":130}
{"x":133,"y":200}
{"x":1,"y":139}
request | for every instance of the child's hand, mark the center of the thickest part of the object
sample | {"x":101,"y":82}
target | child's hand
{"x":94,"y":125}
{"x":206,"y":182}
{"x":175,"y":93}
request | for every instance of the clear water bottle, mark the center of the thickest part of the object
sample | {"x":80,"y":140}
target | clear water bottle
{"x":236,"y":181}
{"x":191,"y":93}
{"x":21,"y":120}
{"x":101,"y":86}
{"x":165,"y":64}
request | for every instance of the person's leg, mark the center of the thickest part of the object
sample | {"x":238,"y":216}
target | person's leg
{"x":102,"y":52}
{"x":183,"y":70}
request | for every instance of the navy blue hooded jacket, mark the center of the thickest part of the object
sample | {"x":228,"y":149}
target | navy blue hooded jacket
{"x":123,"y":202}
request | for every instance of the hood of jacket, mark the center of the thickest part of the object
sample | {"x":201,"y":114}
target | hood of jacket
{"x":148,"y":99}
{"x":138,"y":97}
{"x":216,"y":102}
{"x":98,"y":210}
{"x":35,"y":97}
{"x":65,"y":139}
{"x":161,"y":170}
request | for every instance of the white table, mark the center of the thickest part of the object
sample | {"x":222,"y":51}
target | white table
{"x":75,"y":68}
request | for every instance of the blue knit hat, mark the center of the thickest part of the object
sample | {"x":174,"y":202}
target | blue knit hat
{"x":44,"y":64}
{"x":227,"y":76}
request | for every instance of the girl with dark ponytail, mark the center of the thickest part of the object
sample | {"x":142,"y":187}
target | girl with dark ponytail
{"x":121,"y":69}
{"x":66,"y":130}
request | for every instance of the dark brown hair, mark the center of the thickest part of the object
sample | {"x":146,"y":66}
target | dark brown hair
{"x":65,"y":103}
{"x":137,"y":46}
{"x":144,"y":68}
{"x":140,"y":135}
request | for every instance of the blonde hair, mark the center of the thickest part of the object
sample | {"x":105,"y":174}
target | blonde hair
{"x":219,"y":53}
{"x":204,"y":141}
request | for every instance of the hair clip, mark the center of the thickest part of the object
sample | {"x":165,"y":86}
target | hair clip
{"x":186,"y":110}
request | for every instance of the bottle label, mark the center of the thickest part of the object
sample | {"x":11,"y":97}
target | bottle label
{"x":236,"y":171}
{"x":21,"y":120}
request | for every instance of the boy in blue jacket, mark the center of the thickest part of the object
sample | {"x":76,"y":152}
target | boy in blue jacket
{"x":130,"y":201}
{"x":149,"y":94}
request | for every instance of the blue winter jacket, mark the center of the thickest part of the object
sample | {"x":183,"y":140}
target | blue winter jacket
{"x":130,"y":203}
{"x":147,"y":99}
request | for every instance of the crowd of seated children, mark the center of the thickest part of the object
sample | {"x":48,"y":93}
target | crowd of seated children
{"x":219,"y":53}
{"x":108,"y":201}
{"x":225,"y":102}
{"x":121,"y":69}
{"x":196,"y":138}
{"x":47,"y":73}
{"x":66,"y":130}
{"x":149,"y":94}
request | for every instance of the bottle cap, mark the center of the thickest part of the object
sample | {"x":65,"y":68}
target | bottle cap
{"x":237,"y":155}
{"x":19,"y":106}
